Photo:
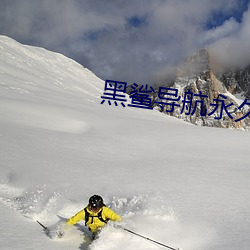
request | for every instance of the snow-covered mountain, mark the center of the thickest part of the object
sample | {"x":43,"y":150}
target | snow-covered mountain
{"x":210,"y":87}
{"x":182,"y":185}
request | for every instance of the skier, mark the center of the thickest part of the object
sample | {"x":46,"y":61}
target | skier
{"x":95,"y":214}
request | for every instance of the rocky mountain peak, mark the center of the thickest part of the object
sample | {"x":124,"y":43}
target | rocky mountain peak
{"x":209,"y":88}
{"x":237,"y":81}
{"x":196,"y":64}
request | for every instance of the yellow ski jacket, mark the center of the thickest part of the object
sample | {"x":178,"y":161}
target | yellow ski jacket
{"x":94,"y":223}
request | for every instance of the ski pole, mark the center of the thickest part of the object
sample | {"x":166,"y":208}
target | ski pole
{"x":45,"y":228}
{"x":146,"y":238}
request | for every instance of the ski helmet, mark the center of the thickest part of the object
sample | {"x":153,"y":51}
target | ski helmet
{"x":95,"y":202}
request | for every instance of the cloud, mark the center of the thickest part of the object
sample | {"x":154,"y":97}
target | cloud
{"x":228,"y":28}
{"x":233,"y":49}
{"x":134,"y":41}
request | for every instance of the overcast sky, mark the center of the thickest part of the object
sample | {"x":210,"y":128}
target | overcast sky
{"x":131,"y":40}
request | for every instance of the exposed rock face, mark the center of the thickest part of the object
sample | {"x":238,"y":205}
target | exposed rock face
{"x":211,"y":102}
{"x":237,"y":81}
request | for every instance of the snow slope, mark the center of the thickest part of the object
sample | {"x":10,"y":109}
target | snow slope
{"x":176,"y":183}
